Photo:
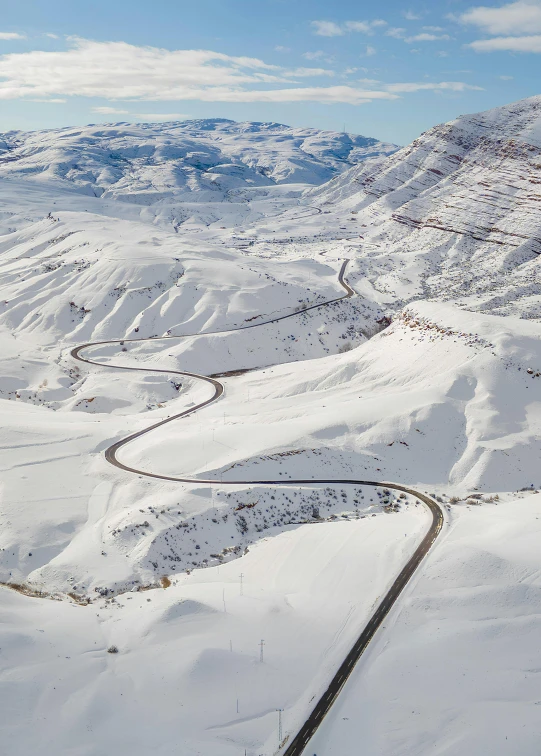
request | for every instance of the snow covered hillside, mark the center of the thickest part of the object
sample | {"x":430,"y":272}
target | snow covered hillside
{"x":383,"y":325}
{"x":476,"y":377}
{"x":142,"y":163}
{"x":455,"y":214}
{"x":459,"y":671}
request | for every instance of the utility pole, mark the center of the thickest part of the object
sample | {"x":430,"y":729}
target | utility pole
{"x":241,"y":585}
{"x":280,"y":734}
{"x":262,"y":643}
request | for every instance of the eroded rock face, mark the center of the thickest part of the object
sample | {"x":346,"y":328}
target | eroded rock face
{"x":463,"y":201}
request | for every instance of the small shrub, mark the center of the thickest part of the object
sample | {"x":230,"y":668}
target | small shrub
{"x":112,"y":650}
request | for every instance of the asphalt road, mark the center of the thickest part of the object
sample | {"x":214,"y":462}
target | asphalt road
{"x":322,"y":707}
{"x":111,"y":452}
{"x":296,"y":745}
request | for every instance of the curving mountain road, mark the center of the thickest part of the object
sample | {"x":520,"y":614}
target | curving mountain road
{"x":111,"y":453}
{"x":322,"y":707}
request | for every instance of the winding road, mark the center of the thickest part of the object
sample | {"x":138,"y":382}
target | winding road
{"x":296,"y":746}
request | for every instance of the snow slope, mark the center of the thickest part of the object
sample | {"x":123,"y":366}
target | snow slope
{"x":91,"y":278}
{"x":461,"y":673}
{"x":84,"y":528}
{"x":458,"y":411}
{"x":143,"y":163}
{"x":454,"y":215}
{"x":446,"y":397}
{"x":187,"y":676}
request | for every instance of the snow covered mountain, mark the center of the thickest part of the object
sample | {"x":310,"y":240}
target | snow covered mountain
{"x":456,"y":212}
{"x":429,"y":375}
{"x":143,"y":163}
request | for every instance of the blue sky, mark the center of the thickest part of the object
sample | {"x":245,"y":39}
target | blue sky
{"x":389,"y":69}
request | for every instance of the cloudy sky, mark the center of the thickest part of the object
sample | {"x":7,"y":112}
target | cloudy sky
{"x":389,"y":69}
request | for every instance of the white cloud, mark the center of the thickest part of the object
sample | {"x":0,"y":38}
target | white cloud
{"x":346,"y":94}
{"x":452,"y":86}
{"x":506,"y":78}
{"x":162,"y":116}
{"x":11,"y":35}
{"x":359,"y":26}
{"x":281,"y":48}
{"x":105,"y":110}
{"x":326,"y":29}
{"x":124,"y":73}
{"x":302,"y":72}
{"x":52,"y":36}
{"x":331,"y":29}
{"x":520,"y":22}
{"x":442,"y":54}
{"x":530,"y":44}
{"x":366,"y":27}
{"x":396,"y":31}
{"x":119,"y":71}
{"x":523,"y":17}
{"x":425,"y":37}
{"x":318,"y":55}
{"x":411,"y":16}
{"x":370,"y":51}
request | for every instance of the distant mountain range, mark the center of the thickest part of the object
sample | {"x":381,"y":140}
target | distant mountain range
{"x":143,"y":163}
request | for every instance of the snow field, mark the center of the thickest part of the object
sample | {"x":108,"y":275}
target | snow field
{"x":457,"y":670}
{"x":187,"y":237}
{"x":188,"y":653}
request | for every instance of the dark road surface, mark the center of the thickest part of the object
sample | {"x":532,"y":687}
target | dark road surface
{"x":299,"y":742}
{"x":296,"y":746}
{"x":111,"y":453}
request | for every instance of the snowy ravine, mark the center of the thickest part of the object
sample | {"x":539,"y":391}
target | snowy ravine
{"x":133,"y":610}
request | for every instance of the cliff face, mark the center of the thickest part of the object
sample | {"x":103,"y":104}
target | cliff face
{"x":466,"y":194}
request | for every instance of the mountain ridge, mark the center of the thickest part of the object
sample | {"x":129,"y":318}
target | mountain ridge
{"x":466,"y":192}
{"x":181,"y":157}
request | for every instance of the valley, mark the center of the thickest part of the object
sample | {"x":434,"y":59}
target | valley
{"x":295,"y":316}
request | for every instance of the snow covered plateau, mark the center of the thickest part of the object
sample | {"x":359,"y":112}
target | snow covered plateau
{"x":372,"y":314}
